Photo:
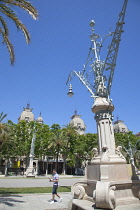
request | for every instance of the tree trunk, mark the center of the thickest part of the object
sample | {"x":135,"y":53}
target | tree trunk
{"x":6,"y":167}
{"x":47,"y":166}
{"x":58,"y":147}
{"x":64,"y":165}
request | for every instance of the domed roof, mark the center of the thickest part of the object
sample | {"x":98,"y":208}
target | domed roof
{"x":40,"y":119}
{"x":78,"y":123}
{"x":137,"y":134}
{"x":120,"y":127}
{"x":27,"y":114}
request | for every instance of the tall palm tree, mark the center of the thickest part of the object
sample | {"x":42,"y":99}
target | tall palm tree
{"x":57,"y":139}
{"x":69,"y":134}
{"x":6,"y":11}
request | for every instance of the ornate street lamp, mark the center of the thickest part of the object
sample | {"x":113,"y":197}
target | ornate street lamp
{"x":108,"y":181}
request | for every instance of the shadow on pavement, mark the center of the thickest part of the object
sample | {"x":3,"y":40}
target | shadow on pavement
{"x":7,"y":200}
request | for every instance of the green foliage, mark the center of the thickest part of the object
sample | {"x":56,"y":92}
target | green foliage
{"x":2,"y":117}
{"x":19,"y":141}
{"x":55,"y":128}
{"x":122,"y":139}
{"x":130,"y":146}
{"x":50,"y":141}
{"x":68,"y":147}
{"x":42,"y":139}
{"x":54,"y":140}
{"x":83,"y":148}
{"x":20,"y":137}
{"x":4,"y":132}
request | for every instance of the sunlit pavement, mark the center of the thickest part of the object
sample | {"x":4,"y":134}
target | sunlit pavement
{"x":41,"y":201}
{"x":33,"y":202}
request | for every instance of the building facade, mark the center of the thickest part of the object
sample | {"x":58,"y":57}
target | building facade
{"x":78,"y":123}
{"x":28,"y":115}
{"x":120,"y":127}
{"x":137,"y":134}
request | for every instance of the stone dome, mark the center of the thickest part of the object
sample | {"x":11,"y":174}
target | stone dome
{"x":40,"y":119}
{"x":137,"y":134}
{"x":120,"y":127}
{"x":26,"y":114}
{"x":78,"y":123}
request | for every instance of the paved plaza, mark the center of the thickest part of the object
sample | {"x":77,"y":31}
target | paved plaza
{"x":34,"y":201}
{"x":41,"y":201}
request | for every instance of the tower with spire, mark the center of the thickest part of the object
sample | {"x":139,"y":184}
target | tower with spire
{"x":26,"y":114}
{"x":40,"y":119}
{"x":78,"y":123}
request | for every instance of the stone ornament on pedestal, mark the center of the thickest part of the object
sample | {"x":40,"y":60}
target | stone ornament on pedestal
{"x":30,"y":172}
{"x":108,"y":181}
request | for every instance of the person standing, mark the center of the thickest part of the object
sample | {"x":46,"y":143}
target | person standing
{"x":55,"y":186}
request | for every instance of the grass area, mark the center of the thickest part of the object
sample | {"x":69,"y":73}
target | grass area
{"x":27,"y":190}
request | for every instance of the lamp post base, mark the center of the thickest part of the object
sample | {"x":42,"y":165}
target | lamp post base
{"x":107,"y":186}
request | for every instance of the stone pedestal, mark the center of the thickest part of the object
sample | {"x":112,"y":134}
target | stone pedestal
{"x":30,"y":172}
{"x":108,"y":181}
{"x":107,"y":186}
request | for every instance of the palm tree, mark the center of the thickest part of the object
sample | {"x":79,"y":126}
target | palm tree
{"x":69,"y":133}
{"x":3,"y":128}
{"x":57,"y":139}
{"x":6,"y":10}
{"x":2,"y":116}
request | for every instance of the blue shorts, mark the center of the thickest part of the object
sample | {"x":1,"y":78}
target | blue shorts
{"x":54,"y":190}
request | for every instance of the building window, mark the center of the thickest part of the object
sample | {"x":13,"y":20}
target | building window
{"x":123,"y":130}
{"x":27,"y":119}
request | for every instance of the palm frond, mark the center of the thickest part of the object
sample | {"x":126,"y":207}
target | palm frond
{"x":4,"y":132}
{"x":25,"y":5}
{"x":9,"y":46}
{"x":2,"y":116}
{"x":11,"y":14}
{"x":4,"y":25}
{"x":5,"y":9}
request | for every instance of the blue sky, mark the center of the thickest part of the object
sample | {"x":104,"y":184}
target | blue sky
{"x":60,"y":44}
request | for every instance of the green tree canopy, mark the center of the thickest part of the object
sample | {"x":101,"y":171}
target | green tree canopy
{"x":4,"y":128}
{"x":130,"y":144}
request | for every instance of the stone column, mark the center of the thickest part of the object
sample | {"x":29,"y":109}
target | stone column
{"x":106,"y":141}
